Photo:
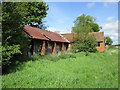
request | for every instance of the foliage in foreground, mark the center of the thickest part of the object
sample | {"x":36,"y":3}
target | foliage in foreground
{"x":14,"y":16}
{"x":97,"y":70}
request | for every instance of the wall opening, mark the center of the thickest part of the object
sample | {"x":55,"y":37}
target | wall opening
{"x":48,"y":47}
{"x":58,"y":47}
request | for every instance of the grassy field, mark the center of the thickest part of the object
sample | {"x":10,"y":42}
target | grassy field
{"x":67,"y":70}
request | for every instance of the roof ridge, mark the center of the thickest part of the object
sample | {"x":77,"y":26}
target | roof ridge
{"x":64,"y":38}
{"x":41,"y":29}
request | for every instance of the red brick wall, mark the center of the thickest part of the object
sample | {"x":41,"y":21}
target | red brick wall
{"x":101,"y":48}
{"x":54,"y":48}
{"x":43,"y":48}
{"x":62,"y":46}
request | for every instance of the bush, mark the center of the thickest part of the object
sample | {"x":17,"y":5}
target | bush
{"x":85,"y":43}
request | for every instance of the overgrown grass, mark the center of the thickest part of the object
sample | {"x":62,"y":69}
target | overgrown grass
{"x":66,"y":70}
{"x":55,"y":57}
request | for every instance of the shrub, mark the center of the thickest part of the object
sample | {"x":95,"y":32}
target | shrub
{"x":85,"y":43}
{"x":8,"y":53}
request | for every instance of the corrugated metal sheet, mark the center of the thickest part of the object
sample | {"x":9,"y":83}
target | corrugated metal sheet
{"x":43,"y":34}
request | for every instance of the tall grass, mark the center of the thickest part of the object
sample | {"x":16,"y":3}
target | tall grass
{"x":54,"y":57}
{"x":66,"y":70}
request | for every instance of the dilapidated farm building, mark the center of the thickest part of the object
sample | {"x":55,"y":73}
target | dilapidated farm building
{"x":99,"y":36}
{"x":45,"y":42}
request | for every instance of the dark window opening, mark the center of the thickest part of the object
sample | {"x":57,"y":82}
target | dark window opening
{"x":58,"y":47}
{"x":65,"y":46}
{"x":98,"y":44}
{"x":48,"y":47}
{"x":30,"y":52}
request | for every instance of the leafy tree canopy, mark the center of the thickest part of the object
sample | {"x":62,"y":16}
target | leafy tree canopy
{"x":108,"y":41}
{"x":85,"y":23}
{"x":84,"y":42}
{"x":36,"y":11}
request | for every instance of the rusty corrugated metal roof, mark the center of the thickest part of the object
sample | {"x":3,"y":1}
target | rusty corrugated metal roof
{"x":69,"y":36}
{"x":43,"y":34}
{"x":99,"y":36}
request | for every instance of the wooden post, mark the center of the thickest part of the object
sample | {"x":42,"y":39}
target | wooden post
{"x":34,"y":47}
{"x":43,"y":48}
{"x":54,"y":48}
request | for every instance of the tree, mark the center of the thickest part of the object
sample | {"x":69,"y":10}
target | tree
{"x":83,"y":41}
{"x":14,"y":16}
{"x":36,"y":11}
{"x":108,"y":41}
{"x":85,"y":23}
